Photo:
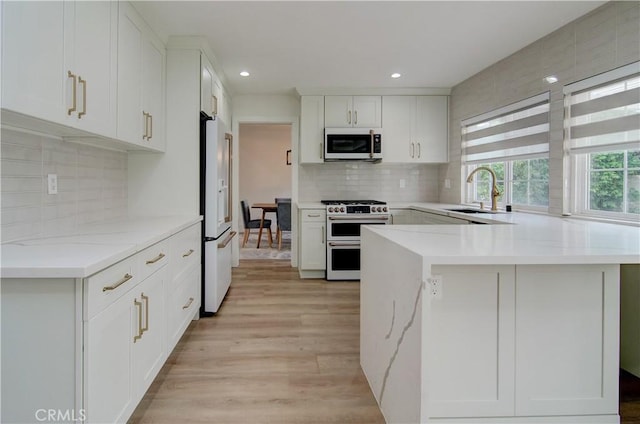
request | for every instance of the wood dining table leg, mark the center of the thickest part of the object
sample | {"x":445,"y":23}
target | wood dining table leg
{"x":260,"y":231}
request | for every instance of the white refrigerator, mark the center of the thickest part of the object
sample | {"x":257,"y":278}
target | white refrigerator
{"x":215,"y":207}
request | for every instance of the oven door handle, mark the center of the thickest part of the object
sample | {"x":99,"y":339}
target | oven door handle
{"x":355,"y":218}
{"x":338,"y":244}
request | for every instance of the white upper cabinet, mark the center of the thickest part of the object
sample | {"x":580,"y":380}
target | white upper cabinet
{"x":72,"y":78}
{"x":415,"y":129}
{"x":206,"y":86}
{"x":93,"y":69}
{"x":141,"y":64}
{"x":33,"y":84}
{"x":214,"y":101}
{"x":153,"y":95}
{"x":353,"y":111}
{"x":90,"y":56}
{"x":312,"y":129}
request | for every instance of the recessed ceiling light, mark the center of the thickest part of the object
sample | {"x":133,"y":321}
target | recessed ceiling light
{"x":244,"y":74}
{"x":396,"y":75}
{"x":551,"y":79}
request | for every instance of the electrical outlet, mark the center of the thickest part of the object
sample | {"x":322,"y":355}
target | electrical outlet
{"x":435,"y":286}
{"x":52,"y":183}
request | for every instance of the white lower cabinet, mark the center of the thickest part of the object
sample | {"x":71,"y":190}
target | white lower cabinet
{"x":125,"y":343}
{"x":182,"y":305}
{"x":107,"y":361}
{"x":472,"y":341}
{"x":148,"y":348}
{"x":95,"y":345}
{"x":313,"y":248}
{"x":524,"y":341}
{"x":567,"y":339}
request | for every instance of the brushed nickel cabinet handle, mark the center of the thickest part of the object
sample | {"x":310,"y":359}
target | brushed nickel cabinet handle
{"x":84,"y":96}
{"x":156,"y":259}
{"x":412,"y":150}
{"x":117,"y":284}
{"x":355,"y":121}
{"x":314,"y":215}
{"x":188,"y":303}
{"x":321,"y":151}
{"x":146,"y":313}
{"x":349,"y":117}
{"x":322,"y":234}
{"x":73,"y":93}
{"x":139,"y":306}
{"x":188,"y":253}
{"x":419,"y":149}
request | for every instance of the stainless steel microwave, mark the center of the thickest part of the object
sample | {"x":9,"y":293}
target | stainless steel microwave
{"x":363,"y":144}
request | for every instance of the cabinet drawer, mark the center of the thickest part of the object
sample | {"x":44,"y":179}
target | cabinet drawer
{"x":313,"y":215}
{"x":153,"y":258}
{"x":108,"y":285}
{"x":183,"y":304}
{"x":185,"y":250}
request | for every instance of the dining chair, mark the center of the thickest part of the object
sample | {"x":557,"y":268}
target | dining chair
{"x":283,"y":215}
{"x":252,"y":223}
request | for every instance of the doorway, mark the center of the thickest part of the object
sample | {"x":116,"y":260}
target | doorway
{"x":265,"y":162}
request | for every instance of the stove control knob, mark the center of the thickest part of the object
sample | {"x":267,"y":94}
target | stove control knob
{"x":342,"y":209}
{"x":384,"y":209}
{"x":330,"y":209}
{"x":379,"y":209}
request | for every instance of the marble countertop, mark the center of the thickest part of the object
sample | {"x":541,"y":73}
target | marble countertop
{"x":90,"y":249}
{"x":532,"y":239}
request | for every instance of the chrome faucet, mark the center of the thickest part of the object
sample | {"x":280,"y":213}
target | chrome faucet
{"x":494,"y":187}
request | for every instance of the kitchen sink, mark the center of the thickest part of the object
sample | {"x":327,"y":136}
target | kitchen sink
{"x":468,"y":210}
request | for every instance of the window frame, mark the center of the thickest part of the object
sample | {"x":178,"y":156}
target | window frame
{"x":582,"y":167}
{"x":576,"y":160}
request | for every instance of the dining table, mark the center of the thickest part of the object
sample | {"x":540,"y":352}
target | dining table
{"x":266,"y":208}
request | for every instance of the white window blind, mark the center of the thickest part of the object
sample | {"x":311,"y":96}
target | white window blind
{"x":602,"y":113}
{"x":516,"y":131}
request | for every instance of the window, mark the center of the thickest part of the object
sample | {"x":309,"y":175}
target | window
{"x":527,"y":183}
{"x":514,"y":142}
{"x":602,"y":123}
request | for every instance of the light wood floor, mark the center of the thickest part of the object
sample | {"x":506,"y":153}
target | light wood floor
{"x":280,"y":350}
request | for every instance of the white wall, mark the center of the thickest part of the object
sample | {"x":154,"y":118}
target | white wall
{"x":92,"y":185}
{"x":264,"y":174}
{"x":597,"y":42}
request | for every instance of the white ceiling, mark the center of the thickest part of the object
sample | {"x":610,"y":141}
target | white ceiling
{"x":358,"y":44}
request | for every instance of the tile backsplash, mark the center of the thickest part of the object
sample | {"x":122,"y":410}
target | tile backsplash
{"x":92,"y":185}
{"x":360,"y":180}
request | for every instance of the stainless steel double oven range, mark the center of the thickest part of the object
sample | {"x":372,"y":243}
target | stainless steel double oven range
{"x":344,"y":218}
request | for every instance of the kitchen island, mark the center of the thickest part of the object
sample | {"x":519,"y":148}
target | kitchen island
{"x":494,"y":323}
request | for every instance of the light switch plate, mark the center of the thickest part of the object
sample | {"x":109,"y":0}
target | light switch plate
{"x":52,"y":183}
